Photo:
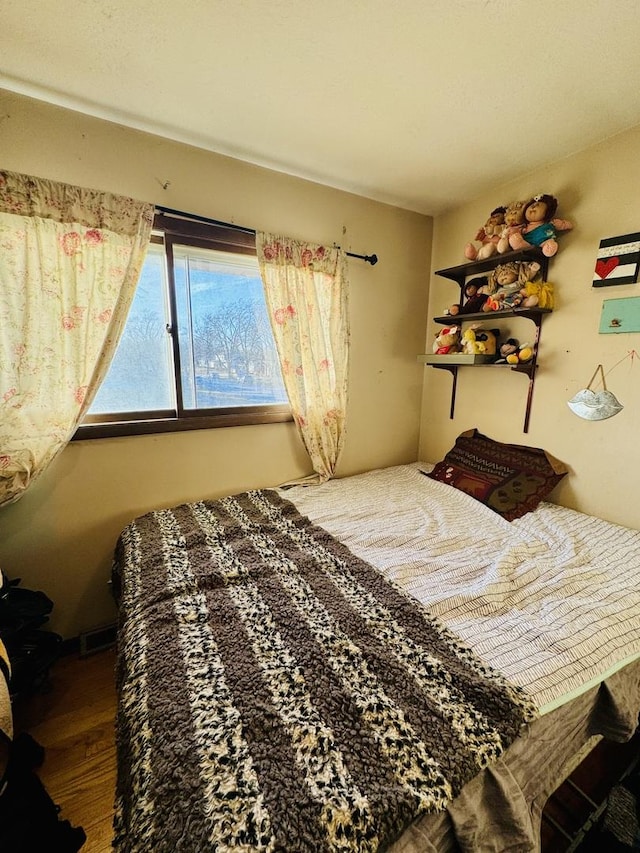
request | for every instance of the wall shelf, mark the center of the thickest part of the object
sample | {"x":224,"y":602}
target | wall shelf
{"x":452,"y":363}
{"x":462,"y":272}
{"x":534,"y":314}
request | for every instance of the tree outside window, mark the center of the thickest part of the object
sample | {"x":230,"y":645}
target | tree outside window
{"x":197,"y":349}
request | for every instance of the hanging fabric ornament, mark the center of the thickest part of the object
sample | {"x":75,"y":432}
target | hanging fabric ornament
{"x":595,"y":405}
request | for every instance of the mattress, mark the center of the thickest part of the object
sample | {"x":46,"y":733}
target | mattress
{"x":551,"y":600}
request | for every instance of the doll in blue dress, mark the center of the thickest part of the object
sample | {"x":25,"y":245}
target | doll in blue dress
{"x":541,"y":226}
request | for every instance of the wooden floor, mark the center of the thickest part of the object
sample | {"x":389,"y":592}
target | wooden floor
{"x":75,"y":723}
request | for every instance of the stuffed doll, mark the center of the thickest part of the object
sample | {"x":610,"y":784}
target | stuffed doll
{"x":506,"y":281}
{"x":514,"y":222}
{"x":512,"y":272}
{"x":488,"y":235}
{"x":541,"y":228}
{"x":475,"y":295}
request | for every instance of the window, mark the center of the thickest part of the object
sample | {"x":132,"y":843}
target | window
{"x":197,"y":349}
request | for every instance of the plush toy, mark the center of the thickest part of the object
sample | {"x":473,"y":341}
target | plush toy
{"x":479,"y":341}
{"x":534,"y":293}
{"x":541,"y":228}
{"x":471,"y":345}
{"x":488,"y":235}
{"x":524,"y":354}
{"x":475,"y":295}
{"x":498,"y":301}
{"x":538,"y":293}
{"x":512,"y":272}
{"x":514,"y":300}
{"x":447,"y":341}
{"x":514,"y":222}
{"x":509,"y":347}
{"x":506,"y":281}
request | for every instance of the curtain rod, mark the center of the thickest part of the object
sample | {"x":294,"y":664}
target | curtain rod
{"x":369,"y":259}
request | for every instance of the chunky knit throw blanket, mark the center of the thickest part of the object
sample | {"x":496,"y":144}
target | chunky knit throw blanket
{"x":276,"y":693}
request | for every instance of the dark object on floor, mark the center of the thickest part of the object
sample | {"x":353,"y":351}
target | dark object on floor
{"x":618,"y":831}
{"x":31,"y":650}
{"x":29,"y":821}
{"x":621,"y":822}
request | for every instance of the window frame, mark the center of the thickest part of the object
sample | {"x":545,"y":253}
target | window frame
{"x":169,"y":230}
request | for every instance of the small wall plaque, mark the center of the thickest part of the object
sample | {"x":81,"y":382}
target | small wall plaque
{"x":617,"y":261}
{"x":620,"y":315}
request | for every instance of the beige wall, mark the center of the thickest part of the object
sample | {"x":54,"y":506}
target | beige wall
{"x":598,"y":191}
{"x":60,"y":536}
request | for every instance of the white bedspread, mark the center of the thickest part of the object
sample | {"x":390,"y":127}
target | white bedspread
{"x":552,"y":600}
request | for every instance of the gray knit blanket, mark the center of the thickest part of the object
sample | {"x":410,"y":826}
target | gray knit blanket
{"x":276,"y":693}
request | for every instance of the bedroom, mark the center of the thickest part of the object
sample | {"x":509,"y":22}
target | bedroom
{"x":60,"y":537}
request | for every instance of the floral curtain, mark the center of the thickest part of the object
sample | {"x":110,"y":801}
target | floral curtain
{"x":69,"y":263}
{"x":306,"y":289}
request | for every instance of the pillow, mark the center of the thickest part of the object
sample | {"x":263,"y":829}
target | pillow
{"x":510,"y":479}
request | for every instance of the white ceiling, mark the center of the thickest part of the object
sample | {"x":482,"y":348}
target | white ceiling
{"x":419,"y":103}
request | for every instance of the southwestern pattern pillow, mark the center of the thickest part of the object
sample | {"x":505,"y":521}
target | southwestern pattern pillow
{"x":510,"y":479}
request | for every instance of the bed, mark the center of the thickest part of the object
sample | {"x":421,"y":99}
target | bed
{"x":381,"y":662}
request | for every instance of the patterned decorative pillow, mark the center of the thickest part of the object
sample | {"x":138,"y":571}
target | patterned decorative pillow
{"x":510,"y":479}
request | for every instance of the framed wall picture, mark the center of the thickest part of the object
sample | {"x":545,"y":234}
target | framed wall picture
{"x":617,"y":261}
{"x":620,"y":316}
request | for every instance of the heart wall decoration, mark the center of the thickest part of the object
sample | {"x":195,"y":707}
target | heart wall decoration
{"x":617,"y":261}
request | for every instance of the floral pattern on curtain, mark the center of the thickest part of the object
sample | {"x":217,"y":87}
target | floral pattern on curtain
{"x":306,"y":289}
{"x":69,"y":264}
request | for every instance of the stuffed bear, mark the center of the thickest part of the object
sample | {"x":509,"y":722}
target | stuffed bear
{"x":447,"y":341}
